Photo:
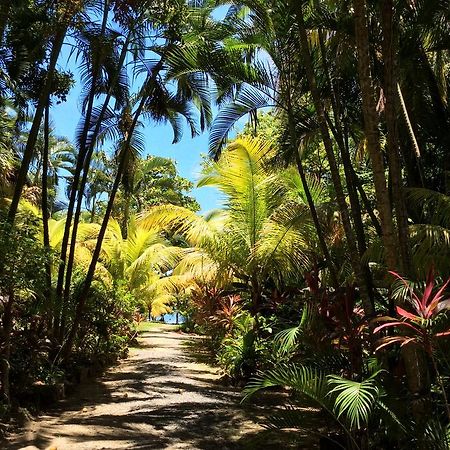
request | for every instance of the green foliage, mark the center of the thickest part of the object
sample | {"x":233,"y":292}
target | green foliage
{"x":354,"y":401}
{"x":21,"y":275}
{"x":108,"y":323}
{"x":240,"y":352}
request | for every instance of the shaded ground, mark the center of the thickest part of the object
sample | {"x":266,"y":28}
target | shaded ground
{"x":161,"y":397}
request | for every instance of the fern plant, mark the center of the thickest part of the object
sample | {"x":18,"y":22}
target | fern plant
{"x":351,"y":404}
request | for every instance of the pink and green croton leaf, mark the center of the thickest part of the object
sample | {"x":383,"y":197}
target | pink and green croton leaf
{"x":416,"y":326}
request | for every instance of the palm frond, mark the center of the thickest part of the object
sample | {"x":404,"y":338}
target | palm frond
{"x":355,"y":401}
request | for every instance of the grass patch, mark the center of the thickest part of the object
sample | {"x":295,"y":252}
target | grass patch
{"x":150,"y":326}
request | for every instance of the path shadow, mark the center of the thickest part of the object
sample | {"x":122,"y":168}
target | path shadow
{"x":153,"y":404}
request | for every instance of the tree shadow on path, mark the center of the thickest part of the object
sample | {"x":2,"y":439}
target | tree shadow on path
{"x":163,"y":396}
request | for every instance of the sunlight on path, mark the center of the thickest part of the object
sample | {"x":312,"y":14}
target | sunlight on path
{"x":159,"y":398}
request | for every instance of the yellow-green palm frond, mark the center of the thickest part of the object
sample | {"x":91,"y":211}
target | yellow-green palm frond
{"x":175,"y":284}
{"x":56,"y":232}
{"x":295,"y":190}
{"x":27,"y":207}
{"x":241,"y":175}
{"x":199,"y":266}
{"x":161,"y":305}
{"x":157,"y":258}
{"x":286,"y":244}
{"x":194,"y":228}
{"x":139,"y":242}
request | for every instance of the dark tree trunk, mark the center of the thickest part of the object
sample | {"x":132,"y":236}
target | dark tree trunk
{"x":82,"y":296}
{"x":340,"y":196}
{"x":83,"y":161}
{"x":372,"y":134}
{"x":390,"y":89}
{"x":37,"y":119}
{"x":312,"y":207}
{"x":342,"y":142}
{"x":45,"y":207}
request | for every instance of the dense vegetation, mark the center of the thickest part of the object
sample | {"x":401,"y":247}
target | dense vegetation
{"x":324,"y":270}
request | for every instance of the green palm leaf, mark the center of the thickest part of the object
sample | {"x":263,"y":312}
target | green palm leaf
{"x":355,"y":401}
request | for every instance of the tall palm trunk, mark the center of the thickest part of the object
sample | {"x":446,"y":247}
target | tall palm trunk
{"x":81,"y":298}
{"x":123,"y":157}
{"x":126,"y":214}
{"x":367,"y":204}
{"x":83,"y":161}
{"x":392,"y":135}
{"x":45,"y":208}
{"x":372,"y":134}
{"x":340,"y":196}
{"x":37,"y":119}
{"x":342,"y":142}
{"x":83,"y":182}
{"x":312,"y":207}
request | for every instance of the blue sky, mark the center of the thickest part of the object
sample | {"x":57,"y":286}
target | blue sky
{"x":158,"y":138}
{"x":187,"y":153}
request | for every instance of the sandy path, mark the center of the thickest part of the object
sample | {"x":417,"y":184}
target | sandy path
{"x":161,"y":397}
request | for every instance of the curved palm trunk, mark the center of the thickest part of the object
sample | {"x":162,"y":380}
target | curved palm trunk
{"x":340,"y":196}
{"x":37,"y":119}
{"x":45,"y":208}
{"x":83,"y":161}
{"x":83,"y":182}
{"x":82,"y":296}
{"x":372,"y":134}
{"x":317,"y":225}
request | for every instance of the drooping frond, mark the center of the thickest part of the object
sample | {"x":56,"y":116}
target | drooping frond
{"x":355,"y":401}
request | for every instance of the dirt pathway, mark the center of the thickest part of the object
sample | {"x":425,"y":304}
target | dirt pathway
{"x":161,"y":397}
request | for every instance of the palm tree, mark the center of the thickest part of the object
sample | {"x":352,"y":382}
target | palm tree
{"x":157,"y":103}
{"x":104,"y":122}
{"x":286,"y":89}
{"x":139,"y":259}
{"x":63,"y":14}
{"x":264,"y":231}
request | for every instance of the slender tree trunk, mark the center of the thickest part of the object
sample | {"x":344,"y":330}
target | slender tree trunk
{"x":45,"y":208}
{"x":338,"y":132}
{"x":355,"y":206}
{"x":83,"y":162}
{"x":316,"y":221}
{"x":392,"y":135}
{"x":372,"y":134}
{"x":412,"y":135}
{"x":85,"y":171}
{"x":82,"y":296}
{"x":340,"y":196}
{"x":312,"y":207}
{"x":34,"y":131}
{"x":126,"y":215}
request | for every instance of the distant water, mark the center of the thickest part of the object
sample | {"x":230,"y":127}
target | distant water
{"x":171,"y":318}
